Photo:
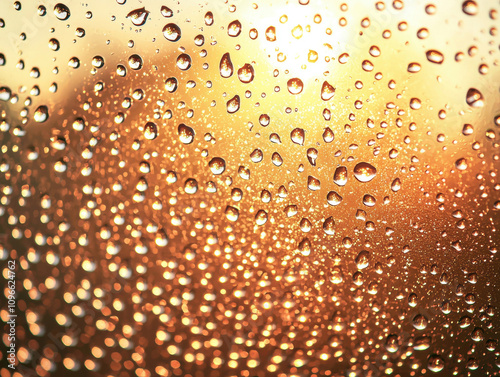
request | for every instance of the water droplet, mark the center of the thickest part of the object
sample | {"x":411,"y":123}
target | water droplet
{"x":396,"y":185}
{"x":362,"y":260}
{"x":313,"y":183}
{"x":434,"y":56}
{"x":364,"y":172}
{"x":327,"y":91}
{"x":329,"y":226}
{"x":328,"y":135}
{"x":420,"y":322}
{"x":226,"y":66}
{"x":276,"y":159}
{"x":184,"y":62}
{"x":232,"y":213}
{"x":297,"y":32}
{"x":367,"y":66}
{"x":150,"y":131}
{"x":166,"y":11}
{"x":41,"y":114}
{"x":312,"y":156}
{"x":474,"y":98}
{"x":217,"y":165}
{"x":186,"y":134}
{"x":422,"y":343}
{"x":172,"y":32}
{"x":5,"y":93}
{"x":261,"y":217}
{"x":333,"y":198}
{"x":233,"y":105}
{"x":435,"y":363}
{"x":257,"y":155}
{"x":295,"y":86}
{"x":138,"y":16}
{"x":470,"y":7}
{"x":234,"y":28}
{"x":271,"y":33}
{"x":340,"y":176}
{"x":461,"y":164}
{"x":171,"y":84}
{"x":414,"y":67}
{"x":61,"y":11}
{"x":191,"y":186}
{"x":135,"y":62}
{"x":298,"y":136}
{"x":369,"y":200}
{"x":209,"y":18}
{"x":246,"y":74}
{"x":391,"y":343}
{"x":305,"y":247}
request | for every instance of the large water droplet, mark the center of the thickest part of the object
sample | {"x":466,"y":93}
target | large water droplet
{"x":470,"y":7}
{"x":41,"y":114}
{"x":186,"y":134}
{"x":474,"y":98}
{"x":333,"y":198}
{"x":232,"y":213}
{"x":327,"y":91}
{"x":246,"y":73}
{"x":362,"y":260}
{"x":313,"y":183}
{"x":434,"y":56}
{"x":234,"y":28}
{"x":138,"y":16}
{"x":61,"y":11}
{"x":172,"y":32}
{"x":364,"y":172}
{"x":295,"y":86}
{"x":435,"y":363}
{"x":150,"y":131}
{"x":217,"y":165}
{"x":298,"y":136}
{"x":340,"y":176}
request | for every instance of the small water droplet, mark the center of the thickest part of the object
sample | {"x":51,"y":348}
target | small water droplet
{"x":226,"y":66}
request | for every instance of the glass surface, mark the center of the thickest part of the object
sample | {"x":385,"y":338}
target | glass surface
{"x":238,"y":188}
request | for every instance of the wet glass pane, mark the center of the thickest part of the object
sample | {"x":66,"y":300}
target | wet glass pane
{"x":237,"y":188}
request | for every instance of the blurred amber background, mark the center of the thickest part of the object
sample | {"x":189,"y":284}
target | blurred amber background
{"x":164,"y":226}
